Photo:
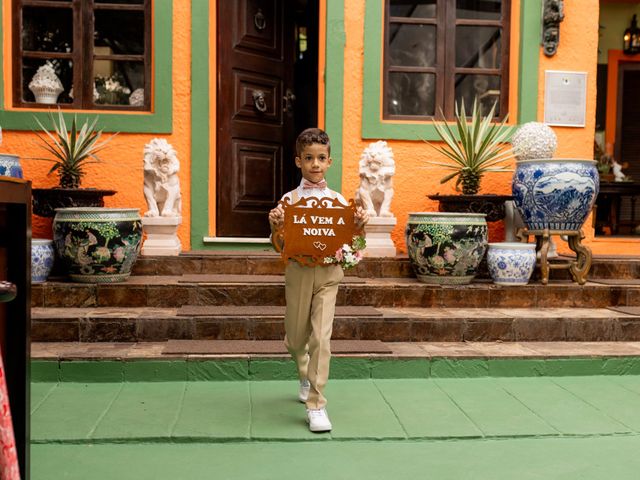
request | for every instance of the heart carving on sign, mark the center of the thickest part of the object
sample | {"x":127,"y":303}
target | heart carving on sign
{"x":319,"y":245}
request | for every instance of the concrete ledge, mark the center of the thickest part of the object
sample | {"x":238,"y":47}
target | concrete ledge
{"x":354,"y":368}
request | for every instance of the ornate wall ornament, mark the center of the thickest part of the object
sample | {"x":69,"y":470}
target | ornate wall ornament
{"x":552,"y":15}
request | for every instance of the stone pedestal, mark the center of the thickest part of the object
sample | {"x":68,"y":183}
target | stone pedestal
{"x":161,"y":236}
{"x":378,"y":236}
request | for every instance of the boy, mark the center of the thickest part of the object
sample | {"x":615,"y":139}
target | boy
{"x":310,"y":292}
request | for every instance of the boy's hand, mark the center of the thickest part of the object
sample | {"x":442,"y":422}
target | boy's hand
{"x":361,"y":217}
{"x":276,"y":217}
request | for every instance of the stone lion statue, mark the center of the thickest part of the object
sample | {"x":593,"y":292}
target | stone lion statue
{"x":376,"y":188}
{"x":161,"y":183}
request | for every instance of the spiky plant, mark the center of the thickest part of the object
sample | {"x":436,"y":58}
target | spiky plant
{"x":72,"y":150}
{"x":473,"y":147}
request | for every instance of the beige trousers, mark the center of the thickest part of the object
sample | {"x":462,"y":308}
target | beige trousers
{"x":311,"y":302}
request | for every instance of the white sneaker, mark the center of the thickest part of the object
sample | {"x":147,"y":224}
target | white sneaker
{"x":303,"y":391}
{"x":318,"y":420}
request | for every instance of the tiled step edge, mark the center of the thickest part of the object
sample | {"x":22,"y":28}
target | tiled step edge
{"x":269,"y":263}
{"x":167,"y":292}
{"x":255,"y":368}
{"x":395,"y":325}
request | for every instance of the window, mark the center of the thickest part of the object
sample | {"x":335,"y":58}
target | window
{"x":82,"y":54}
{"x":438,"y":52}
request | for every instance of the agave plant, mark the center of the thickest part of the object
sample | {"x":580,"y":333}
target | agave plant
{"x":72,"y":150}
{"x":473,"y":147}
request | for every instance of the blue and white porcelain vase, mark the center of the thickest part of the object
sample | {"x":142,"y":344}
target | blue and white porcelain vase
{"x":555,"y":194}
{"x":10,"y":165}
{"x":446,"y":248}
{"x":42,"y":257}
{"x":511,"y":263}
{"x":97,"y":245}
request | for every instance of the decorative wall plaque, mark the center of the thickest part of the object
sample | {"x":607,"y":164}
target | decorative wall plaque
{"x":552,"y":15}
{"x":565,"y":98}
{"x":315,"y":228}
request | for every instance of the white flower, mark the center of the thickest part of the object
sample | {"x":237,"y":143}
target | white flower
{"x":346,"y":248}
{"x":329,"y":259}
{"x":350,"y":258}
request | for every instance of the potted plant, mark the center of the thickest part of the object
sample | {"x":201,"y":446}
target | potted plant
{"x":473,"y":147}
{"x":71,"y":152}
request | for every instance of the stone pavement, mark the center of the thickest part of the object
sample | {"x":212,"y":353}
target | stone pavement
{"x":563,"y":427}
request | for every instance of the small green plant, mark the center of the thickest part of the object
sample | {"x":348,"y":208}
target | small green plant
{"x":72,"y":150}
{"x":473,"y":147}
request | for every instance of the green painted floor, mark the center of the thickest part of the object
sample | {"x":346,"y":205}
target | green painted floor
{"x":584,"y":427}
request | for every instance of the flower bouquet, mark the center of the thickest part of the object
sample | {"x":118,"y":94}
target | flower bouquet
{"x":111,"y":90}
{"x":348,"y":256}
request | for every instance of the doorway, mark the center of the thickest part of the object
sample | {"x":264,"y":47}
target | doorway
{"x":267,"y":53}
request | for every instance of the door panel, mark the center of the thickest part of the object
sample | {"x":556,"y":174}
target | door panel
{"x":255,"y":136}
{"x":245,"y":84}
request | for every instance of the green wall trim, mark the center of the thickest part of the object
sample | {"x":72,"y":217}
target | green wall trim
{"x":334,"y":88}
{"x":159,"y":121}
{"x":172,"y":369}
{"x":199,"y":124}
{"x":373,"y":127}
{"x":530,"y":21}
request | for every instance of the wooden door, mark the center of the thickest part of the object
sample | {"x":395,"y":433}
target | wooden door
{"x":628,"y":128}
{"x":255,"y":119}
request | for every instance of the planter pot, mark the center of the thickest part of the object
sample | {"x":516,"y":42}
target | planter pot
{"x":47,"y":98}
{"x":10,"y":165}
{"x":97,"y":245}
{"x":555,"y":194}
{"x":42,"y":256}
{"x":446,"y":248}
{"x":47,"y":200}
{"x":511,"y":263}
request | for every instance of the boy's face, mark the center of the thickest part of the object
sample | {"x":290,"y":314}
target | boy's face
{"x":314,"y":160}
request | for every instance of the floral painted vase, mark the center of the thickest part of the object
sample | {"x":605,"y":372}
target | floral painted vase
{"x":97,"y":245}
{"x":446,"y":248}
{"x":511,"y":263}
{"x":42,"y":256}
{"x":555,"y":194}
{"x":10,"y":165}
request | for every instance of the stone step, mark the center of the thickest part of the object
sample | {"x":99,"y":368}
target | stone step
{"x":269,"y":263}
{"x":255,"y":290}
{"x":351,"y":323}
{"x":62,"y":351}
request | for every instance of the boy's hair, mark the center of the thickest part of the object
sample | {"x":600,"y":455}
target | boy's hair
{"x":311,"y":136}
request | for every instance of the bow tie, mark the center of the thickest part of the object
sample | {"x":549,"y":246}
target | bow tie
{"x":308,"y":185}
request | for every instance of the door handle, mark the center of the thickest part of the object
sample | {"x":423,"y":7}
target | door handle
{"x":259,"y":101}
{"x":287,"y":101}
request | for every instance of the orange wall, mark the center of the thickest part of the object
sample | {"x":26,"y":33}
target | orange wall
{"x":412,"y":181}
{"x":577,"y":51}
{"x":121,"y":169}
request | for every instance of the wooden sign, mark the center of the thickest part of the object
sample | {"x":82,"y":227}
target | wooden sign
{"x":315,"y":228}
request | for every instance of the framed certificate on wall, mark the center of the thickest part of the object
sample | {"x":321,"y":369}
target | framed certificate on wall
{"x":565,"y":98}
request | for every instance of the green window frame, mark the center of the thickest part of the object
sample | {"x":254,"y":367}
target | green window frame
{"x":374,"y":127}
{"x":159,"y":120}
